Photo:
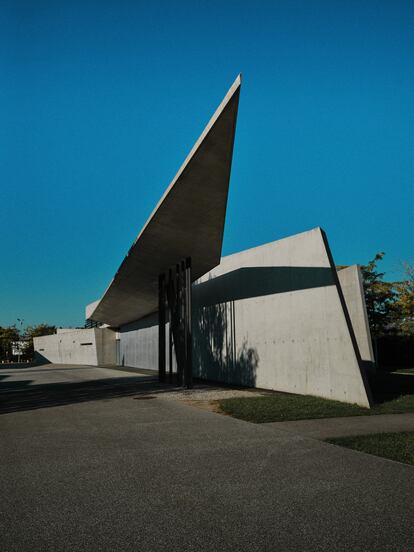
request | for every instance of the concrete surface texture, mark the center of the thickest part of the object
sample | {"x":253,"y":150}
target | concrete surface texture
{"x":350,"y":425}
{"x":110,"y":472}
{"x":187,"y":222}
{"x":350,"y":279}
{"x":139,"y":344}
{"x":92,"y":346}
{"x":282,"y":325}
{"x":269,"y":317}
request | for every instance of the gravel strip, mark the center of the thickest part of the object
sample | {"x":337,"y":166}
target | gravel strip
{"x":208,"y":393}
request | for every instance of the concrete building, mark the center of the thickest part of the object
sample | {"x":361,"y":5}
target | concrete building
{"x":90,"y":346}
{"x":278,"y":316}
{"x":274,"y":317}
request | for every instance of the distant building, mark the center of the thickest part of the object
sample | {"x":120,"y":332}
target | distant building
{"x":18,"y":348}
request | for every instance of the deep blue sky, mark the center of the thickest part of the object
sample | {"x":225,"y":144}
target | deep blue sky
{"x":100,"y":103}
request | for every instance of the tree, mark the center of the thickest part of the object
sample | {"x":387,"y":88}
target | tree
{"x":36,"y":331}
{"x":404,"y":304}
{"x":8,"y":336}
{"x":380,"y":297}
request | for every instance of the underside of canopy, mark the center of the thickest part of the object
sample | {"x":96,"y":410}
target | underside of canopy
{"x":187,"y":222}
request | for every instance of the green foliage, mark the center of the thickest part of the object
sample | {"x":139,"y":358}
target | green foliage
{"x":380,"y":297}
{"x":404,"y":303}
{"x":8,"y":335}
{"x":39,"y":330}
{"x":36,"y":331}
{"x":390,"y":305}
{"x":11,"y":334}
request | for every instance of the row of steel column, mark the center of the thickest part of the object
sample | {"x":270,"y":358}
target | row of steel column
{"x":174,"y":302}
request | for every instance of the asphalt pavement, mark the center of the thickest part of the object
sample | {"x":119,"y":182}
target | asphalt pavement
{"x":91,"y":461}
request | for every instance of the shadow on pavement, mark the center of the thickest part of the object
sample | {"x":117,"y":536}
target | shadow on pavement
{"x":17,"y":396}
{"x":21,"y":395}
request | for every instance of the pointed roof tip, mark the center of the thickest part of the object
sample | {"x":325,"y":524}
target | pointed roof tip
{"x":141,"y":266}
{"x":237,"y":81}
{"x":231,"y":91}
{"x":235,"y":85}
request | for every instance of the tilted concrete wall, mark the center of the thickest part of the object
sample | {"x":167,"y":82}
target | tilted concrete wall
{"x":92,"y":346}
{"x":350,"y":279}
{"x":270,"y":317}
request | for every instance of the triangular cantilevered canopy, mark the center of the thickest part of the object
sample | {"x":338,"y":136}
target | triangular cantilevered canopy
{"x":187,"y":222}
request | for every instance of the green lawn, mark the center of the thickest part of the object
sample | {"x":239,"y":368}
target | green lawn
{"x":281,"y":407}
{"x":395,"y":446}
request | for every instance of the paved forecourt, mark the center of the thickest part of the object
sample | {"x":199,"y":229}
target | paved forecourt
{"x":109,"y":470}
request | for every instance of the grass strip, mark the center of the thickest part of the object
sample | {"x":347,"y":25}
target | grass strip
{"x":395,"y":446}
{"x":281,"y":407}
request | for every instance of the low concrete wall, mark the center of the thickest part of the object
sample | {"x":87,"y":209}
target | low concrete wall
{"x":92,"y":346}
{"x":269,"y":317}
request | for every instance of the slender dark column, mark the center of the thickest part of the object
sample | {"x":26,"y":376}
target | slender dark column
{"x":178,"y":320}
{"x":183,"y":307}
{"x":178,"y":292}
{"x":161,"y":327}
{"x":184,"y":322}
{"x":187,"y":328}
{"x":170,"y":313}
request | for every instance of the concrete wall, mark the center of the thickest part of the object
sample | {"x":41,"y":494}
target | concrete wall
{"x":350,"y":279}
{"x":93,"y":346}
{"x":105,"y":346}
{"x":270,"y":317}
{"x":139,"y":344}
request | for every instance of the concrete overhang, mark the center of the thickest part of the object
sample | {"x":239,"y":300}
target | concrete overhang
{"x":187,"y":222}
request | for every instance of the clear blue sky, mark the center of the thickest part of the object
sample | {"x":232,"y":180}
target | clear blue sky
{"x":100,"y":103}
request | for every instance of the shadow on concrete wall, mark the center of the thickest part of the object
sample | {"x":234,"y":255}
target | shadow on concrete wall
{"x":38,"y":358}
{"x":257,"y":281}
{"x":215,"y":353}
{"x":216,"y":356}
{"x":147,"y":322}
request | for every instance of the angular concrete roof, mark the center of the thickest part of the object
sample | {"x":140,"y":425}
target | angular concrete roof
{"x":187,"y":222}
